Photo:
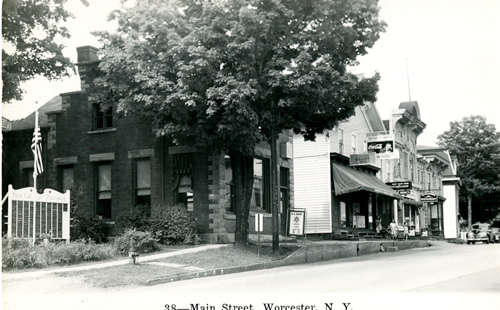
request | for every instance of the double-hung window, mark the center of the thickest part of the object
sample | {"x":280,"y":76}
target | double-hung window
{"x":103,"y":190}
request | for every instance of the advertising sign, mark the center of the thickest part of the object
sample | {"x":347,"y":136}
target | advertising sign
{"x":297,"y":220}
{"x":380,"y":144}
{"x":428,"y":197}
{"x":362,"y":159}
{"x":400,"y":185}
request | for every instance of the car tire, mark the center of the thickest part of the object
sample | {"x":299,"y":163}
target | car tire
{"x":473,"y":242}
{"x":487,"y":241}
{"x":468,"y":242}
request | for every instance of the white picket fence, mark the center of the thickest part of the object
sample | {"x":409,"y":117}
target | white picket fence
{"x":51,"y":217}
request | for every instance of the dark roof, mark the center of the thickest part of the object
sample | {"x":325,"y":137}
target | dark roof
{"x":54,"y":104}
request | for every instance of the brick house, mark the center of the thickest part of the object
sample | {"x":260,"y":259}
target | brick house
{"x":113,"y":164}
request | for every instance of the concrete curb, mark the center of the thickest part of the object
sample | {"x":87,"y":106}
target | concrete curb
{"x":310,"y":253}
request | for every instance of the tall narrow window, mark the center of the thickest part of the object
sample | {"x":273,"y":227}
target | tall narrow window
{"x":103,"y":118}
{"x":284,"y":189}
{"x":229,"y":190}
{"x":261,"y":196}
{"x":104,"y":190}
{"x":341,"y":141}
{"x":28,"y":177}
{"x":354,"y":143}
{"x":67,"y":177}
{"x":143,"y":182}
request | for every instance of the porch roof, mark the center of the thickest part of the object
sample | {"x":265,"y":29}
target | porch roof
{"x":347,"y":180}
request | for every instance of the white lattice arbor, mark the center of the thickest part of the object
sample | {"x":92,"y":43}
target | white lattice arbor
{"x":51,"y":217}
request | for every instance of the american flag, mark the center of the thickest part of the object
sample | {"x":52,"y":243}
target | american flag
{"x":36,"y":147}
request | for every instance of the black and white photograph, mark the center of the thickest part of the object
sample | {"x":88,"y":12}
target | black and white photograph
{"x":250,"y":154}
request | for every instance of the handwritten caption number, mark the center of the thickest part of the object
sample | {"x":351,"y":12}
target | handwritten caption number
{"x":170,"y":307}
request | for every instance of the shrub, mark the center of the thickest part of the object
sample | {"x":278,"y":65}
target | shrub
{"x":41,"y":256}
{"x":133,"y":240}
{"x":173,"y":225}
{"x":138,"y":218}
{"x":94,"y":229}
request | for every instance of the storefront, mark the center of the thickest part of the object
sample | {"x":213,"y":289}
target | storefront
{"x":359,"y":197}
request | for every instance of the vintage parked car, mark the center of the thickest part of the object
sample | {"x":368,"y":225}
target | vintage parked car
{"x":495,"y":229}
{"x":496,"y":233}
{"x":480,"y":232}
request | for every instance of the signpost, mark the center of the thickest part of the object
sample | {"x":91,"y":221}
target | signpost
{"x":259,"y":226}
{"x":297,"y":221}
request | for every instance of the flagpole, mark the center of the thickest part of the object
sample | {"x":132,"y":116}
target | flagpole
{"x":35,"y":172}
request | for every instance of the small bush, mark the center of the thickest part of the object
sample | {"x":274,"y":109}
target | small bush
{"x":174,"y":225}
{"x":42,"y":256}
{"x":133,"y":240}
{"x":94,"y":229}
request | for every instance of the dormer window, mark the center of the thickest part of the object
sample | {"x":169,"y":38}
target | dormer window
{"x":103,"y":118}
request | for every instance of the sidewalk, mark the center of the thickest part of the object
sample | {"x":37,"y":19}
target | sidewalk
{"x":143,"y":258}
{"x":313,"y":251}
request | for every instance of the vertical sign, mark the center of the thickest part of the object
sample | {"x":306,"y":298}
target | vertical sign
{"x":297,"y":219}
{"x":259,"y":222}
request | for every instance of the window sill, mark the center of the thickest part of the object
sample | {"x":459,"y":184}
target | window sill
{"x":99,"y":131}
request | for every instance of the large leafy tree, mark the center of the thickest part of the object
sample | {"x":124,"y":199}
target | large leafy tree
{"x":477,"y":147}
{"x":221,"y":75}
{"x":30,"y":32}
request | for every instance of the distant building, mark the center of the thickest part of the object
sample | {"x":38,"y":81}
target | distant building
{"x":442,"y":215}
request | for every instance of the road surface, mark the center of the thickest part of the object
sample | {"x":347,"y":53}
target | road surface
{"x":444,"y":276}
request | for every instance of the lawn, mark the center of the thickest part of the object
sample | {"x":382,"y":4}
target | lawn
{"x":139,"y":274}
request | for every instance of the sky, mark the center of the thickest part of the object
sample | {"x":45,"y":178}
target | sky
{"x":441,"y":53}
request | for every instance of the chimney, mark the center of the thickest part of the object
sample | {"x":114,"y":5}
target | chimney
{"x":86,"y":53}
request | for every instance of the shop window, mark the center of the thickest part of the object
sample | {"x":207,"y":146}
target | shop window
{"x":142,"y":181}
{"x":343,"y":214}
{"x":103,"y":118}
{"x":104,"y":190}
{"x":66,"y":177}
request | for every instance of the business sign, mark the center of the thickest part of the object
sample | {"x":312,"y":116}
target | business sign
{"x":297,"y":220}
{"x":400,"y":185}
{"x":259,"y":222}
{"x":404,"y":192}
{"x":380,"y":144}
{"x":362,"y":159}
{"x":428,"y":197}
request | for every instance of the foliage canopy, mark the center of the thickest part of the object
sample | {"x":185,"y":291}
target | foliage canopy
{"x":30,"y":31}
{"x":477,"y":147}
{"x":219,"y":74}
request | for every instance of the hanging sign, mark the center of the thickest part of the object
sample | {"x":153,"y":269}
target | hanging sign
{"x":362,"y":159}
{"x":297,"y":221}
{"x":428,"y":197}
{"x":400,"y":185}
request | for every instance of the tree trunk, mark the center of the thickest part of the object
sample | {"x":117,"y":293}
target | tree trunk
{"x":469,"y":211}
{"x":242,"y":166}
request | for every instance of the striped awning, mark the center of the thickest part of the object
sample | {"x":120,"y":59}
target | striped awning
{"x":347,"y":180}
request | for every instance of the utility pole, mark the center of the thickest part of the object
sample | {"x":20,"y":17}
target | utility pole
{"x":274,"y":187}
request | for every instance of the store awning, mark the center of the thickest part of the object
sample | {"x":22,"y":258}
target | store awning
{"x":347,"y":180}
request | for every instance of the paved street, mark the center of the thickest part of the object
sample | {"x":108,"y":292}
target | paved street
{"x":461,"y":276}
